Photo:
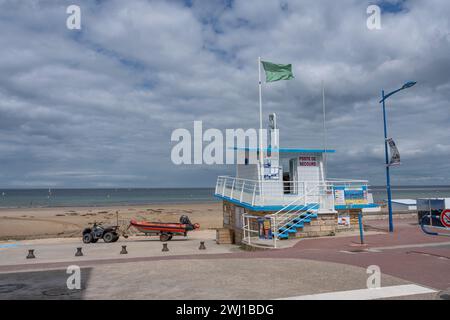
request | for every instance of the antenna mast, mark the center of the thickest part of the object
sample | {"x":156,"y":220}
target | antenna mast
{"x":325,"y":147}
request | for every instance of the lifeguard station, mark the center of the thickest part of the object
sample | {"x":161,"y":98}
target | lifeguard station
{"x":287,"y":195}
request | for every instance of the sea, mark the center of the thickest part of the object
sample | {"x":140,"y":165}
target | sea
{"x":34,"y":198}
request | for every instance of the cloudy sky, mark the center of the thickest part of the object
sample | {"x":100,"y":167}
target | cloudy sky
{"x":96,"y":107}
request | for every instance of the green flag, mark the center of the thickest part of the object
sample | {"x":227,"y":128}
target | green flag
{"x":276,"y":72}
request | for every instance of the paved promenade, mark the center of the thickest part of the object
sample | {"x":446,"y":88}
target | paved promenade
{"x":413,"y":265}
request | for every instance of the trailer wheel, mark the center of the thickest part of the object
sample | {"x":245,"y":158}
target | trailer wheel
{"x":165,"y":237}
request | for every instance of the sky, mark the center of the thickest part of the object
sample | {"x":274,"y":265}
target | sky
{"x":96,"y":107}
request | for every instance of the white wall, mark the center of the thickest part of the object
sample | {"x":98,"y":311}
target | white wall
{"x":402,"y":207}
{"x":249,"y":172}
{"x":307,"y":172}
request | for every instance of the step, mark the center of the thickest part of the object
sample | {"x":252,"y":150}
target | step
{"x":307,"y":216}
{"x":295,"y":224}
{"x":284,"y":230}
{"x":302,"y":220}
{"x":290,"y":224}
{"x":283,"y":236}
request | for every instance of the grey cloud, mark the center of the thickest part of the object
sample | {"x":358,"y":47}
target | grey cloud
{"x":96,"y":107}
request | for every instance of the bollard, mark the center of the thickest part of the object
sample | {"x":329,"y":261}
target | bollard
{"x":202,"y":245}
{"x":124,"y":250}
{"x":78,"y":253}
{"x":165,"y":248}
{"x":31,"y":254}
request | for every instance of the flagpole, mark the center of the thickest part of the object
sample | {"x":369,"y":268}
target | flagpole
{"x":325,"y":142}
{"x":260,"y":113}
{"x":260,"y":128}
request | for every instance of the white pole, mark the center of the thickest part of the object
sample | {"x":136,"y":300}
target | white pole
{"x":260,"y":130}
{"x":260,"y":115}
{"x":324,"y":133}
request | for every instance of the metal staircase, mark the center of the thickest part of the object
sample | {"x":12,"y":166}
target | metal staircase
{"x":297,"y":221}
{"x":294,"y":215}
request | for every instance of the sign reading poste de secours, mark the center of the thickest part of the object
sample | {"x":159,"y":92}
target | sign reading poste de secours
{"x":307,"y":161}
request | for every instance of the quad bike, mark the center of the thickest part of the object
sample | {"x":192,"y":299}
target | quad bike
{"x":108,"y":234}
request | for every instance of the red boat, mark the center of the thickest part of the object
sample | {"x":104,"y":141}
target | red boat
{"x":165,"y":230}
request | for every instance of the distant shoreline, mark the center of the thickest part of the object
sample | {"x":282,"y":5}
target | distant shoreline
{"x":119,"y":205}
{"x":197,"y":188}
{"x":123,"y":197}
{"x":56,"y":198}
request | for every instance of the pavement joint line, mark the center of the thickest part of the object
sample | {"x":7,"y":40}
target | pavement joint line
{"x":44,"y":265}
{"x":353,"y":252}
{"x":406,"y":246}
{"x":429,"y":254}
{"x":367,"y":294}
{"x":347,"y":252}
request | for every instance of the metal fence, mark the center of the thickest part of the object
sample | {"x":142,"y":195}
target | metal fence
{"x":281,"y":193}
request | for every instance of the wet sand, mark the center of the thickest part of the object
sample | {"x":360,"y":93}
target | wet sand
{"x":38,"y":223}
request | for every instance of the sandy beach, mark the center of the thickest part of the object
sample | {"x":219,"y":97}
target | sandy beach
{"x":38,"y":223}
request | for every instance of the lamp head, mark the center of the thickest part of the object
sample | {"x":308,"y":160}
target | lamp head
{"x":409,"y":84}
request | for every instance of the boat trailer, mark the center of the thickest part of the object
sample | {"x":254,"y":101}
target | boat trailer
{"x":165,"y":231}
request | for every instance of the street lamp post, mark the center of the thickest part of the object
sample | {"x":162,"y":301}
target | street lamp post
{"x":388,"y":177}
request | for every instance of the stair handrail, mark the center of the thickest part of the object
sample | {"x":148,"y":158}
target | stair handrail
{"x":308,"y":215}
{"x":304,"y":205}
{"x":288,"y":216}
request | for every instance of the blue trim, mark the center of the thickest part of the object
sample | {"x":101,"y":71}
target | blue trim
{"x":357,"y":206}
{"x":265,"y":208}
{"x":278,"y":208}
{"x":287,"y":150}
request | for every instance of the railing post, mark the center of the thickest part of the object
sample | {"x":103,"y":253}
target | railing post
{"x":248,"y":228}
{"x":224,"y":185}
{"x":305,"y":192}
{"x":333,"y":199}
{"x":243,"y":227}
{"x":242,"y":191}
{"x":275,"y":231}
{"x":261,"y":193}
{"x":232,"y":188}
{"x":254,"y":195}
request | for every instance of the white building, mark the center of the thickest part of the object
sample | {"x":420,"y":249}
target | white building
{"x":288,"y":195}
{"x":401,"y":205}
